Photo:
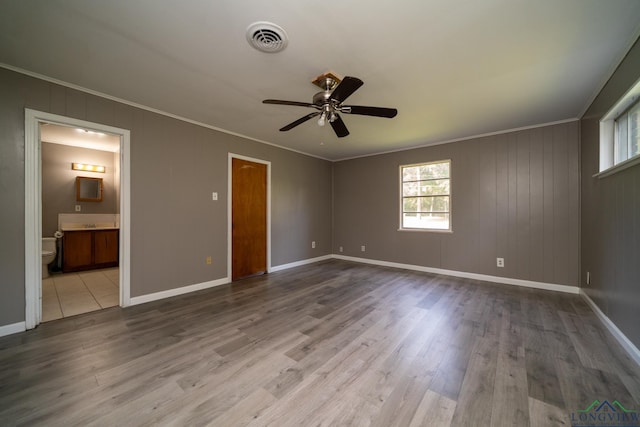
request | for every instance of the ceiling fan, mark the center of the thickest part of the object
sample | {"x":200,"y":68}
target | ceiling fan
{"x":329,"y":102}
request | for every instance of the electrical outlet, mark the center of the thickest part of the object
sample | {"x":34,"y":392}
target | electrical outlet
{"x":208,"y":260}
{"x":500,"y":262}
{"x":313,"y":244}
{"x":340,"y":249}
{"x":78,"y":208}
{"x":363,"y":248}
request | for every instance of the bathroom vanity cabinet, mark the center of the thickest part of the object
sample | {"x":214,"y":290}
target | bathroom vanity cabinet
{"x":89,"y":249}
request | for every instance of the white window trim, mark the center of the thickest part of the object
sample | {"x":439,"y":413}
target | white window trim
{"x":635,"y":160}
{"x":607,"y":135}
{"x":426,"y":230}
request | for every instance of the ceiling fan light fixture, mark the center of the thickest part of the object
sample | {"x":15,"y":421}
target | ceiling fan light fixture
{"x":267,"y":37}
{"x":323,"y":119}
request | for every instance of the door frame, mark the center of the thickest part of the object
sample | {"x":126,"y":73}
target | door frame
{"x":33,"y":208}
{"x":230,"y":204}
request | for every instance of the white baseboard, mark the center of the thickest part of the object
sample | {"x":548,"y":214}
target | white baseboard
{"x":13,"y":328}
{"x":20,"y":327}
{"x":629,"y":347}
{"x":178,"y":291}
{"x":465,"y":275}
{"x":299,"y":263}
{"x":200,"y":286}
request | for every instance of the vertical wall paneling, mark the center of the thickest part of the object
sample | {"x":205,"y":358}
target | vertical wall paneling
{"x":510,"y":200}
{"x":502,"y":203}
{"x":75,"y":104}
{"x":511,"y":260}
{"x":12,"y":182}
{"x":561,"y":204}
{"x":536,"y":206}
{"x":36,"y":96}
{"x":460,"y":247}
{"x":523,"y":205}
{"x":548,"y":176}
{"x":574,"y":199}
{"x":57,"y":100}
{"x":100,"y":110}
{"x":610,"y":231}
{"x":487,"y":222}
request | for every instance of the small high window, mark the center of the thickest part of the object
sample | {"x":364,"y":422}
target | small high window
{"x":620,"y":134}
{"x":425,"y":202}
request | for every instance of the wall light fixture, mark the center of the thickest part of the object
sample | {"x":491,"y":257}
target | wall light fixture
{"x":87,"y":168}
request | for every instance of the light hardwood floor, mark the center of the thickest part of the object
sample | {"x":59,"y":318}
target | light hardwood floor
{"x":333,"y":343}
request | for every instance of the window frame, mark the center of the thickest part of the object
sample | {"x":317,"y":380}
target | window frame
{"x":401,"y":197}
{"x":609,"y":134}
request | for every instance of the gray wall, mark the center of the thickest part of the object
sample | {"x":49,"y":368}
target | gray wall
{"x":175,"y":166}
{"x":515,"y":196}
{"x":611,"y":214}
{"x":59,"y":183}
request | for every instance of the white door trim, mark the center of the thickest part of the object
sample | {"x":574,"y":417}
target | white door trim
{"x":229,"y":206}
{"x":33,"y":208}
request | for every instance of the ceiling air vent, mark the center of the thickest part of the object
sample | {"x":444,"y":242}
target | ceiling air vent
{"x":267,"y":37}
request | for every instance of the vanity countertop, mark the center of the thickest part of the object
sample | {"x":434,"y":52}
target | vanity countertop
{"x":89,"y":228}
{"x":85,"y":227}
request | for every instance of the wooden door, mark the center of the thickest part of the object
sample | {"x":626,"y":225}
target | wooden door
{"x":248,"y":218}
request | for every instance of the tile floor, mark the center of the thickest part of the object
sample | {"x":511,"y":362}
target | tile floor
{"x":69,"y":294}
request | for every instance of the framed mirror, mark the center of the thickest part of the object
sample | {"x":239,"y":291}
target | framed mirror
{"x":88,"y":189}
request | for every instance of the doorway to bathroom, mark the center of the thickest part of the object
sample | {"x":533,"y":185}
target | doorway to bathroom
{"x":54,"y":206}
{"x":80,"y":225}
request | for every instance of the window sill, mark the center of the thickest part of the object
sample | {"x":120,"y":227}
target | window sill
{"x":426,"y":230}
{"x":618,"y":168}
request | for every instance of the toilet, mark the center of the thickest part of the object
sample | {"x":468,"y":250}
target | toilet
{"x":48,"y":254}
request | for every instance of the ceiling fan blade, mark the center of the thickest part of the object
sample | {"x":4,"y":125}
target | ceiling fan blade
{"x":339,"y":127}
{"x":345,"y":88}
{"x":300,"y":121}
{"x":294,"y":103}
{"x":369,"y":111}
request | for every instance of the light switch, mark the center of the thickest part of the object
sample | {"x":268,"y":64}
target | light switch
{"x":78,"y":208}
{"x":214,"y":195}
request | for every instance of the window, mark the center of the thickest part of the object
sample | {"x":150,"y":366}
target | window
{"x":627,"y":135}
{"x":619,"y":134}
{"x":426,"y":196}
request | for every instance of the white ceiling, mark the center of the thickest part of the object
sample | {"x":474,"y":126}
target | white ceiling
{"x":452,"y":68}
{"x":78,"y":137}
